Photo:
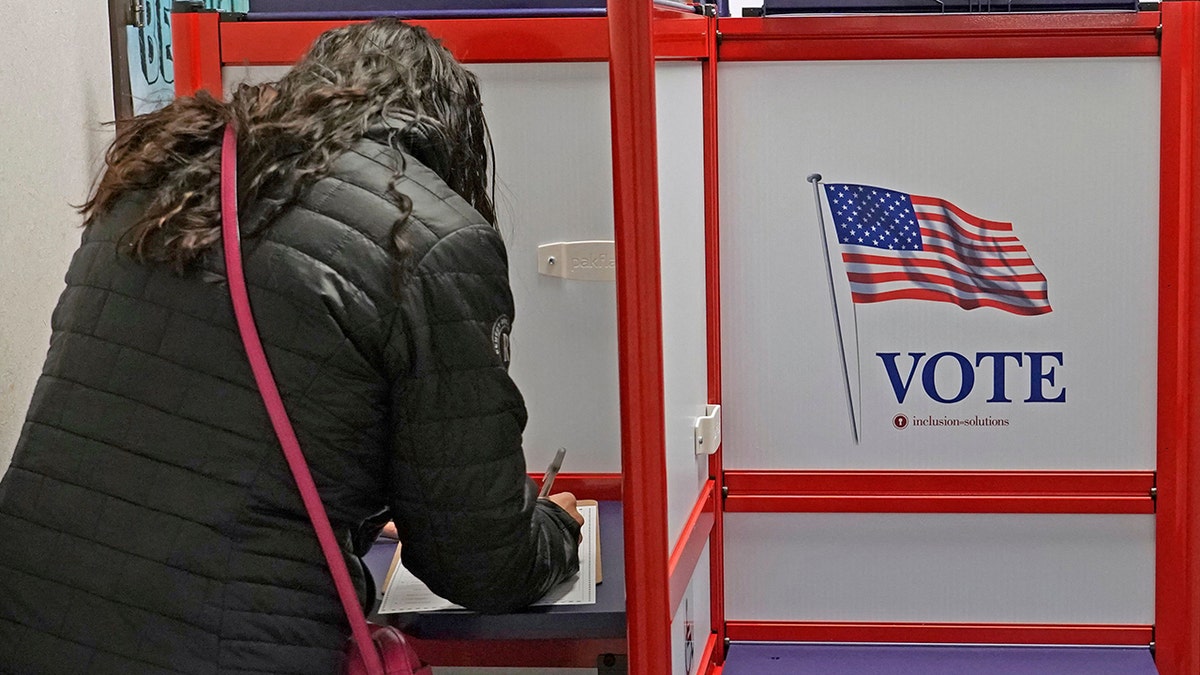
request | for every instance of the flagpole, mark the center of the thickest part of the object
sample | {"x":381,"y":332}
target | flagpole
{"x":815,"y":179}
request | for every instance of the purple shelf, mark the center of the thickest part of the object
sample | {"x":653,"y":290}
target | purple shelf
{"x":824,"y":659}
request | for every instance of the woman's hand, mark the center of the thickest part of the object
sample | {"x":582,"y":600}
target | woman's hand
{"x":566,"y":501}
{"x":389,"y":531}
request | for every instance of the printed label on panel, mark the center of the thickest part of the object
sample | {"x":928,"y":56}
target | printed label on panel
{"x":890,"y":245}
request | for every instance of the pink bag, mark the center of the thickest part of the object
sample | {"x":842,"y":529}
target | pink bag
{"x":396,"y":654}
{"x":372,"y":649}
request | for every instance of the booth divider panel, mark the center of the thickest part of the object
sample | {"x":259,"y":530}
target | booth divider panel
{"x":679,"y":97}
{"x":232,"y":76}
{"x":954,"y":568}
{"x":1066,"y":150}
{"x":681,"y":226}
{"x":551,"y":131}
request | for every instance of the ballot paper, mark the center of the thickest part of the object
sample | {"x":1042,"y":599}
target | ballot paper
{"x":404,"y":592}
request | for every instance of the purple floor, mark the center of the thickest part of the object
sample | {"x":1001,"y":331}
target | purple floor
{"x":795,"y":659}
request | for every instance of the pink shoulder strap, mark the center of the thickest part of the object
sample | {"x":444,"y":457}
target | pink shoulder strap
{"x":279,"y":417}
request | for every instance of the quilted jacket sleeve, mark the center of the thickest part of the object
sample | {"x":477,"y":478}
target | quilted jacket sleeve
{"x":467,"y":514}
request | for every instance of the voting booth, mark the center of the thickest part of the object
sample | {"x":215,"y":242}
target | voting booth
{"x":875,"y":335}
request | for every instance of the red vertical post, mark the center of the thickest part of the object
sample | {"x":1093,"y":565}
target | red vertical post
{"x":639,"y":338}
{"x":712,"y":235}
{"x":196,"y":48}
{"x":1177,"y":580}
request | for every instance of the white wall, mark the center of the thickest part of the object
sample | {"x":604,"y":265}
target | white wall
{"x":57,"y":83}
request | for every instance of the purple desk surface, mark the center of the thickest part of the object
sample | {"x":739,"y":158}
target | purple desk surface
{"x":812,"y":659}
{"x":605,"y":619}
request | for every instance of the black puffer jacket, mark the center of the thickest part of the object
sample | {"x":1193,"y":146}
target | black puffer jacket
{"x":148,"y":523}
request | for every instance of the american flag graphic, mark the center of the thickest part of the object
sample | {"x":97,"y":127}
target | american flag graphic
{"x":898,"y":246}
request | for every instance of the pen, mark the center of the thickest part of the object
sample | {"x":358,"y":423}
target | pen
{"x":551,"y":473}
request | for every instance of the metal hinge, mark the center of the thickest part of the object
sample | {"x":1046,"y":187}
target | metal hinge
{"x":137,"y":13}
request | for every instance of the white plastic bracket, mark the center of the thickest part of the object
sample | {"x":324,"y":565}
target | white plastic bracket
{"x":579,"y":260}
{"x":708,"y":431}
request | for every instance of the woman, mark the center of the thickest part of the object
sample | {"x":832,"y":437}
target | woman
{"x":148,"y":523}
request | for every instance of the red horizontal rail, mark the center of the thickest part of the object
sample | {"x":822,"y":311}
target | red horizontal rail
{"x":681,"y":566}
{"x":947,"y":633}
{"x":605,"y":487}
{"x":939,"y":491}
{"x":939,"y":36}
{"x":937,"y":504}
{"x":482,"y":653}
{"x":527,"y":40}
{"x":259,"y":43}
{"x":679,"y":35}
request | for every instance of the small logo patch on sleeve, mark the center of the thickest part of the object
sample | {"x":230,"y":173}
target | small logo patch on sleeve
{"x":500,"y":332}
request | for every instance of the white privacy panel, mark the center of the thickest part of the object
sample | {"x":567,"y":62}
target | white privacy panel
{"x":692,"y":624}
{"x":681,"y":225}
{"x":940,"y":568}
{"x":553,"y":165}
{"x":232,"y":76}
{"x":1066,"y":150}
{"x":551,"y":131}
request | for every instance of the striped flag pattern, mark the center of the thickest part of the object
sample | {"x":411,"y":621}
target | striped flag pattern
{"x":898,"y":246}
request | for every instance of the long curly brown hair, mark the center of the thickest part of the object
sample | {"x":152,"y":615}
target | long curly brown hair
{"x":384,"y":74}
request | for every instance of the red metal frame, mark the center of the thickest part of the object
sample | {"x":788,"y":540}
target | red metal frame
{"x":1177,"y":597}
{"x":257,"y":43}
{"x":712,"y":657}
{"x":196,"y":45}
{"x":203,"y":45}
{"x":525,"y":40}
{"x":949,"y":633}
{"x":1177,"y":630}
{"x":639,"y":336}
{"x":686,"y":554}
{"x":939,"y":491}
{"x":712,"y":236}
{"x":605,"y":487}
{"x":633,"y":41}
{"x":679,"y":35}
{"x":939,"y":36}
